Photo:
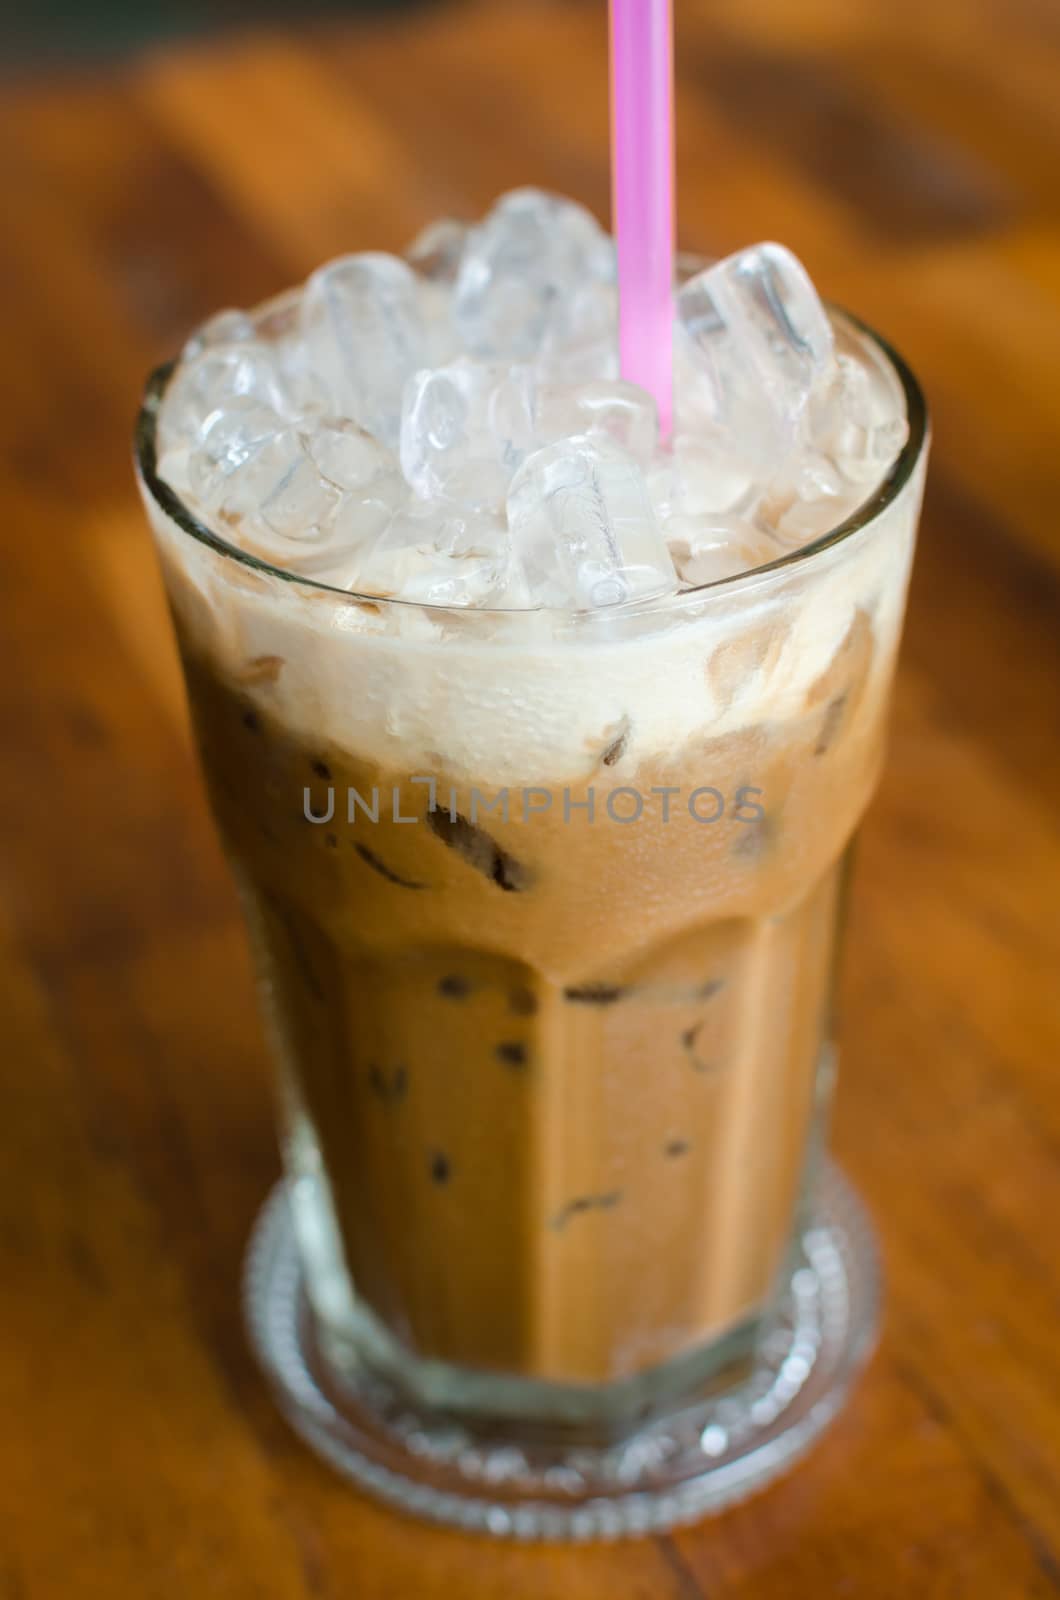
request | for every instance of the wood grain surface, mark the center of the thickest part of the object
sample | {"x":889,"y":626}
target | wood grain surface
{"x":909,"y":152}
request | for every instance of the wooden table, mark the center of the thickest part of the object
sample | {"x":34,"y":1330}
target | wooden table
{"x":909,"y":153}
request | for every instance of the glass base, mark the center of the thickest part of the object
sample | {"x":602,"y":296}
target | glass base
{"x":694,"y":1460}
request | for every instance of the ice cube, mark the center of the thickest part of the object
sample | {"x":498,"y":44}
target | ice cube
{"x":436,"y":252}
{"x":583,"y":527}
{"x":365,"y":333}
{"x":842,"y":682}
{"x":707,"y":549}
{"x":859,"y":420}
{"x":229,"y":440}
{"x":767,"y":295}
{"x":441,"y":557}
{"x":360,"y":520}
{"x":761,"y":341}
{"x":224,"y":327}
{"x":216,"y":379}
{"x":521,"y":269}
{"x":581,"y":343}
{"x":739,"y":423}
{"x":279,"y":488}
{"x":272,"y":328}
{"x":302,"y":502}
{"x":435,"y":255}
{"x":709,"y":474}
{"x":464,"y":430}
{"x":353,"y":459}
{"x":807,"y":499}
{"x":366,"y":472}
{"x":621,"y":412}
{"x":305,"y":392}
{"x":278,"y":505}
{"x":277,"y":319}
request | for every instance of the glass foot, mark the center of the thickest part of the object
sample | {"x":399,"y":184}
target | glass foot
{"x":674,"y":1469}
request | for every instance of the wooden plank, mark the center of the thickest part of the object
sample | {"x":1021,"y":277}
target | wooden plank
{"x":127,"y":1460}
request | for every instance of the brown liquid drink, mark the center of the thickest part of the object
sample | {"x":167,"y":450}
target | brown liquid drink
{"x":544,"y":906}
{"x":560,"y":1072}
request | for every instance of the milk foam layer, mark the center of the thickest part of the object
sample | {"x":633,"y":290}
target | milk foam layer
{"x":520,"y":698}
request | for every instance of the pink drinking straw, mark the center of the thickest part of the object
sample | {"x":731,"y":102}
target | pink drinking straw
{"x":642,"y":184}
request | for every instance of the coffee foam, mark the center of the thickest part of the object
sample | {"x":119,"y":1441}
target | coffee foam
{"x":524,"y":697}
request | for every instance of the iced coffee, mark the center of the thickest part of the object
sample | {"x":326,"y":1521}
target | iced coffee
{"x":537,"y":742}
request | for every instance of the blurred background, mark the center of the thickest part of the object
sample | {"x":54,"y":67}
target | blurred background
{"x":161,"y":161}
{"x":62,"y":30}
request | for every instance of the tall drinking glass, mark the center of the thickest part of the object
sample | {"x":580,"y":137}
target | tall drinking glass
{"x":544,"y":910}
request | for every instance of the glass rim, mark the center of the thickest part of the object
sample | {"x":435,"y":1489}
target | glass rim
{"x":885,"y":492}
